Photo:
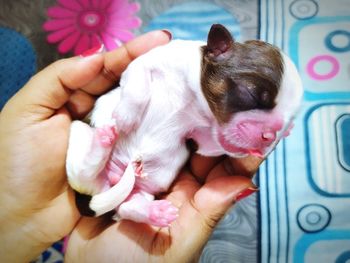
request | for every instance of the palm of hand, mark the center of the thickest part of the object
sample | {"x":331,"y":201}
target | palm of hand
{"x":37,"y":207}
{"x":101,"y":239}
{"x":203,"y":195}
{"x":41,"y":187}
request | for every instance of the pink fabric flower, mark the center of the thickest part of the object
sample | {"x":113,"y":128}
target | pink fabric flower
{"x":79,"y":25}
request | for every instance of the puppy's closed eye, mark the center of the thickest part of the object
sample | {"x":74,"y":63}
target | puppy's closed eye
{"x":240,"y":96}
{"x":243,"y":95}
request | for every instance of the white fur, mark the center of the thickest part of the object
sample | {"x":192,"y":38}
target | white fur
{"x":82,"y":171}
{"x":291,"y":92}
{"x":289,"y":97}
{"x":158,"y":105}
{"x":108,"y":200}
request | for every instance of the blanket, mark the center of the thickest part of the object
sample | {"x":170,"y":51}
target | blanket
{"x":301,"y":213}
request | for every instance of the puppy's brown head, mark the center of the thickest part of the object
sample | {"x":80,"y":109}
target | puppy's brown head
{"x":239,"y":77}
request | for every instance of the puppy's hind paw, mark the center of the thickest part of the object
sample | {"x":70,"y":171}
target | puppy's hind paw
{"x":162,"y":213}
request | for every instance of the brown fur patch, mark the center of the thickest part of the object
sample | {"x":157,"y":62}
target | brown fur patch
{"x":247,"y":76}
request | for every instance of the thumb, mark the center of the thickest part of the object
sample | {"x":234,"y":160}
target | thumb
{"x":50,"y":89}
{"x":199,"y":217}
{"x":216,"y":197}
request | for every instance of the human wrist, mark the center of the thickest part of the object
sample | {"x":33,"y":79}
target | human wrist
{"x":20,"y":240}
{"x":26,"y":232}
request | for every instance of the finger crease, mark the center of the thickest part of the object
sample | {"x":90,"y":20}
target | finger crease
{"x":207,"y":220}
{"x":109,"y":75}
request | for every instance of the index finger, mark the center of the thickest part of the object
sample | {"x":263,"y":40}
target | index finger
{"x":246,"y":166}
{"x":201,"y":166}
{"x":116,"y":61}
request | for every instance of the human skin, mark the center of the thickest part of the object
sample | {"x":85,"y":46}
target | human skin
{"x":204,"y":192}
{"x":37,"y":206}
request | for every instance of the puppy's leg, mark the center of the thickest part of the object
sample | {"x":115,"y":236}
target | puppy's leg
{"x":135,"y":95}
{"x":141,"y":207}
{"x":102,"y":112}
{"x":88,"y":151}
{"x":108,"y":200}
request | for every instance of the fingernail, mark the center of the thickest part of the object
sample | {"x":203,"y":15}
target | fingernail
{"x":246,"y":192}
{"x":92,"y":51}
{"x":169,"y":34}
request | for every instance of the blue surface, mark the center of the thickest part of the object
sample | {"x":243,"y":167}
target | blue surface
{"x":304,"y":184}
{"x":17,"y":63}
{"x":192,"y":20}
{"x":343,"y":140}
{"x":305,"y":196}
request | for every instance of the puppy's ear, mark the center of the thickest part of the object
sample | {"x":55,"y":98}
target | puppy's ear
{"x":219,"y":42}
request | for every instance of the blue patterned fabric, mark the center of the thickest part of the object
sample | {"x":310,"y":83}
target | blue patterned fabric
{"x":192,"y":20}
{"x":52,"y":255}
{"x":17,"y":63}
{"x":305,"y":184}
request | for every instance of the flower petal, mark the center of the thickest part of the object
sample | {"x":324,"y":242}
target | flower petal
{"x":96,"y":3}
{"x":82,"y":45}
{"x":104,"y":3}
{"x":120,"y":7}
{"x":95,"y":41}
{"x":127,"y":23}
{"x":70,"y":4}
{"x":85,"y":4}
{"x":134,"y":7}
{"x":122,"y":35}
{"x":60,"y":12}
{"x":68,"y":43}
{"x":109,"y":42}
{"x":60,"y":34}
{"x":123,"y":8}
{"x":56,"y":24}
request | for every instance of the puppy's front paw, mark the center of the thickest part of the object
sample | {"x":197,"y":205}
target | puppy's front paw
{"x":106,"y":136}
{"x":126,"y":119}
{"x":162,"y":213}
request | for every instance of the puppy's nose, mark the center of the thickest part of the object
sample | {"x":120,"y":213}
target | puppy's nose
{"x":82,"y":201}
{"x":268,"y":136}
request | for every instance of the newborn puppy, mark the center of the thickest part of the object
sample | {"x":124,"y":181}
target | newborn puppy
{"x":231,"y":98}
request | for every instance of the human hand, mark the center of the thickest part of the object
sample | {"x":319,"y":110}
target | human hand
{"x":37,"y":206}
{"x":203,"y":193}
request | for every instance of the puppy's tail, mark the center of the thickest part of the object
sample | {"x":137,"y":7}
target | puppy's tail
{"x":108,"y":200}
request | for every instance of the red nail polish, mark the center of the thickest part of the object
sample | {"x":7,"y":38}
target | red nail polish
{"x":92,"y":51}
{"x":169,"y":34}
{"x":246,"y":192}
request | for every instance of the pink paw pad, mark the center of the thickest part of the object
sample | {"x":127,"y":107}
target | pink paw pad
{"x":107,"y":135}
{"x":162,"y":213}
